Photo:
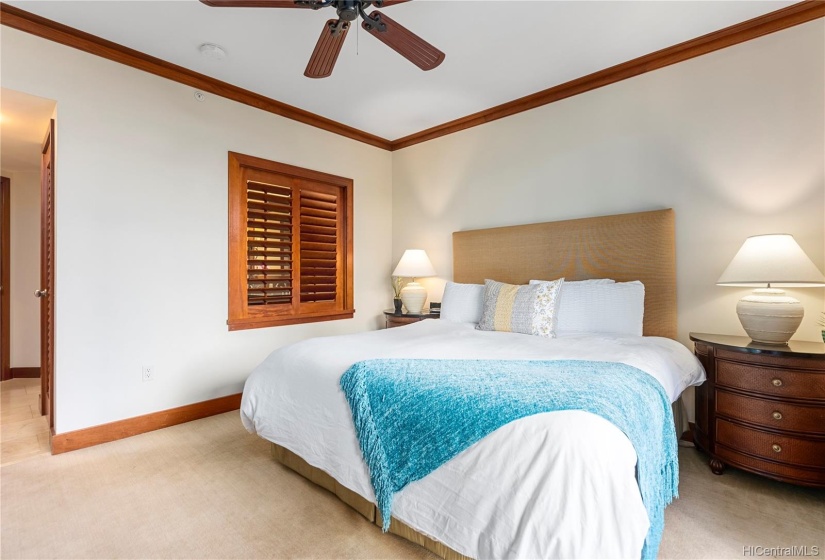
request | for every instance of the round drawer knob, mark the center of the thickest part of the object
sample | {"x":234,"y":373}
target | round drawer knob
{"x":776,"y":447}
{"x":777,"y":382}
{"x":777,"y":415}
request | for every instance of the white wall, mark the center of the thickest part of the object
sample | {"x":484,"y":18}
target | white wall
{"x":25,"y":268}
{"x":141,"y":231}
{"x":733,"y":141}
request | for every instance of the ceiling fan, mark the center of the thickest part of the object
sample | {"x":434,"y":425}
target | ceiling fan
{"x":394,"y":35}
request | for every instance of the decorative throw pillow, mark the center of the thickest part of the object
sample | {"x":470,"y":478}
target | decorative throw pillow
{"x":462,"y":303}
{"x":521,"y":309}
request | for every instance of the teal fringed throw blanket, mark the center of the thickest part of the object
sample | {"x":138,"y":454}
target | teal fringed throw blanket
{"x":412,"y":416}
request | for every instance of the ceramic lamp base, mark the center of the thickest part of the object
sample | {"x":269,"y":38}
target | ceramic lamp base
{"x":413,"y":295}
{"x":769,"y":316}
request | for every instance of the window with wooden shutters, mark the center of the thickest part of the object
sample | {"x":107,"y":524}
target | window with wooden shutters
{"x":290,"y":244}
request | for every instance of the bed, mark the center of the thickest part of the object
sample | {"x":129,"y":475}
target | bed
{"x":558,"y":484}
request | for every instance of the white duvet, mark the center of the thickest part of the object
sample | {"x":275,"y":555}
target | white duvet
{"x":554,"y":485}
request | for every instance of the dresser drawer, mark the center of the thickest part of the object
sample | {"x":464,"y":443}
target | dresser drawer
{"x":771,"y":381}
{"x":401,"y":321}
{"x":772,"y":414}
{"x":788,"y":473}
{"x":787,"y":361}
{"x":781,"y":448}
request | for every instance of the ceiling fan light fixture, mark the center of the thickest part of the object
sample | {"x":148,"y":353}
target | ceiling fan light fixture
{"x":213,"y":51}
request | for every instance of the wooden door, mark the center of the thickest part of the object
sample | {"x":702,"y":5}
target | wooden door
{"x":5,"y":287}
{"x":46,"y":291}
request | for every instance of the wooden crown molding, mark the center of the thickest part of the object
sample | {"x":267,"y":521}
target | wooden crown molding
{"x":778,"y":20}
{"x":87,"y":437}
{"x":802,"y":12}
{"x":69,"y":36}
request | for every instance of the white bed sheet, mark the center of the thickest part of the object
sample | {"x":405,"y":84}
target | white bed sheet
{"x":554,"y":485}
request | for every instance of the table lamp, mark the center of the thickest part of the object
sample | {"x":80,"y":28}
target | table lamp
{"x":414,"y":264}
{"x":770,"y":262}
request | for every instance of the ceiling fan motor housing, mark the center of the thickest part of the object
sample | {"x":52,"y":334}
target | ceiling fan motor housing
{"x":347,"y":9}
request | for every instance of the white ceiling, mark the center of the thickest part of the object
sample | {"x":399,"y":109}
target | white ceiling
{"x":496,"y":51}
{"x":25,"y":119}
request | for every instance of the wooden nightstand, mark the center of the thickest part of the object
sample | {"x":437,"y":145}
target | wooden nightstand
{"x":762,"y":408}
{"x":400,"y":319}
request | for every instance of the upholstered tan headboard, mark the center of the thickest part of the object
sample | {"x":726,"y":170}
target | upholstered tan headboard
{"x":624,"y":247}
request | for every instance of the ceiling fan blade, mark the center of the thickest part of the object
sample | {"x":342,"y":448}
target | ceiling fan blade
{"x":326,"y":51}
{"x":388,"y":3}
{"x":403,"y":41}
{"x":254,"y":4}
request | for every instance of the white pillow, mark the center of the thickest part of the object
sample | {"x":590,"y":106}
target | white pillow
{"x":600,"y":307}
{"x":590,"y":281}
{"x":462,"y":303}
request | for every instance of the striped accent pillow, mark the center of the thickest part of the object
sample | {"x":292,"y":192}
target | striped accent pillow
{"x":523,"y":309}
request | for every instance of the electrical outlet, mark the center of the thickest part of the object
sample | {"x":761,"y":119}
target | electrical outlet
{"x":148,"y":373}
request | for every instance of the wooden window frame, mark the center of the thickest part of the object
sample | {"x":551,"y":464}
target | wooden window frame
{"x":241,"y":315}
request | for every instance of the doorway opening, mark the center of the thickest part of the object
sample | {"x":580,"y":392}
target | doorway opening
{"x":26,"y":128}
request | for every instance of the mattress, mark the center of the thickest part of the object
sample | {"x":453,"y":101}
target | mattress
{"x":554,"y":485}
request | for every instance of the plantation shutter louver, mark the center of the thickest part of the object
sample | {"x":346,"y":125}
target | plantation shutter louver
{"x":269,"y":244}
{"x":319,"y":246}
{"x":290,"y":244}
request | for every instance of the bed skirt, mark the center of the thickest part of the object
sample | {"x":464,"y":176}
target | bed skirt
{"x":359,"y":503}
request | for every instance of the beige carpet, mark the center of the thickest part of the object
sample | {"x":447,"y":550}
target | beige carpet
{"x":207,"y":489}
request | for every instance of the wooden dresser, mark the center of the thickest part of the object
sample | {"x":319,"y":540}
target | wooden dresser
{"x":762,"y":408}
{"x":394,"y":319}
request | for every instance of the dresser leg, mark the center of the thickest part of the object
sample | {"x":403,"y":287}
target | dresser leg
{"x":717,"y":466}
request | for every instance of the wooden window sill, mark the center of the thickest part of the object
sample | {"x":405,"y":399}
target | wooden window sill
{"x":243,"y":324}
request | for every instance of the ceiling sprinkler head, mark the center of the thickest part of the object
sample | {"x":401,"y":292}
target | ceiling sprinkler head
{"x":211,"y":50}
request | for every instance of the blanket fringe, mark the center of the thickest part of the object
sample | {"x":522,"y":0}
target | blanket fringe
{"x":354,"y":386}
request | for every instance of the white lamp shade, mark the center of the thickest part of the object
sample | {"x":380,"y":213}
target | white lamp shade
{"x":775,"y":259}
{"x":414,"y":264}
